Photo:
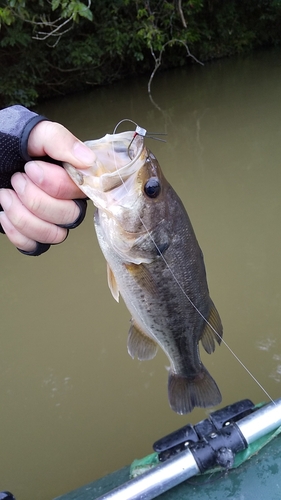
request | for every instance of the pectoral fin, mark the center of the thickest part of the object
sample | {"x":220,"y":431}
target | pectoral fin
{"x":212,"y":331}
{"x":143,"y":277}
{"x":113,"y":287}
{"x":140,"y":345}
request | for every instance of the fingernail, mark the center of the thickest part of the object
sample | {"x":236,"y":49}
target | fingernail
{"x":18,"y":182}
{"x":83,"y":153}
{"x":2,"y":215}
{"x":5,"y":199}
{"x":34,"y":172}
{"x":4,"y":223}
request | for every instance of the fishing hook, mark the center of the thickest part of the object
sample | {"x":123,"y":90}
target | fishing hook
{"x":139,"y":131}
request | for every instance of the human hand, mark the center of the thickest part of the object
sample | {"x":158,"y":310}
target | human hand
{"x":42,"y":198}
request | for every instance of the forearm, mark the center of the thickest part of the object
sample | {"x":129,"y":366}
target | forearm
{"x":16,"y":123}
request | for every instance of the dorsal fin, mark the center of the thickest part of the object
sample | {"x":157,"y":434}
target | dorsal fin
{"x":212,"y":331}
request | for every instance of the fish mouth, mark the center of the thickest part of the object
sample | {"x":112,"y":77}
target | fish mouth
{"x":118,"y":159}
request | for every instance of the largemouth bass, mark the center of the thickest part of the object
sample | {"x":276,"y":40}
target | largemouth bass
{"x":154,"y":262}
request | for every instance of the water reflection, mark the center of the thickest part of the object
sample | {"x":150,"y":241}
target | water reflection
{"x":74,"y":405}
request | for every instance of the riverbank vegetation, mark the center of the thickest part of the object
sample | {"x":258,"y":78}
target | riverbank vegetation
{"x":55,"y":47}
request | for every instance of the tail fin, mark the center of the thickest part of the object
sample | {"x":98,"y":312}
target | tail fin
{"x":185,"y":393}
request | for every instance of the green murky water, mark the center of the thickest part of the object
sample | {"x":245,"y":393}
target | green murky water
{"x":74,"y":405}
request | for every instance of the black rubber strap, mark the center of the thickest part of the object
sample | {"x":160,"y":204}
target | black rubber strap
{"x":25,"y":135}
{"x":43,"y":247}
{"x":82,"y":205}
{"x":40,"y":248}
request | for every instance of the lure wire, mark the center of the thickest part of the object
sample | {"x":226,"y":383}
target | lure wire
{"x":139,"y":131}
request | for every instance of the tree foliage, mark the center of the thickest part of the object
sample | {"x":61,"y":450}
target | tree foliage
{"x":59,"y":46}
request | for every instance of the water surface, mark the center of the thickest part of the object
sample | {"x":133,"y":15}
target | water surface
{"x":74,"y":405}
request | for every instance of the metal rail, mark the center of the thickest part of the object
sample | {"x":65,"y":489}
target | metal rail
{"x":184,"y":465}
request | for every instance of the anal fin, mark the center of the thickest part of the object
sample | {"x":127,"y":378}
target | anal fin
{"x":140,"y":345}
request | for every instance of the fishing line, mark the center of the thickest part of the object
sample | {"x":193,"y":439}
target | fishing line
{"x":202,"y":316}
{"x":143,"y":133}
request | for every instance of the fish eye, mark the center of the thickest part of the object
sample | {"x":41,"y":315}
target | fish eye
{"x":152,"y":187}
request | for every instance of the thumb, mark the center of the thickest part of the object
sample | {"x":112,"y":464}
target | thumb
{"x":54,"y":140}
